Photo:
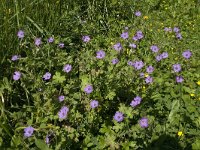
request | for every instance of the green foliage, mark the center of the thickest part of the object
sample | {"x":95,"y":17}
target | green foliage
{"x":172,"y":108}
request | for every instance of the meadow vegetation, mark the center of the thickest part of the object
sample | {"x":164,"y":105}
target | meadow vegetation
{"x":99,"y":74}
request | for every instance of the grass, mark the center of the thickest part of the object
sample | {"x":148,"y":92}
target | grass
{"x":68,"y":20}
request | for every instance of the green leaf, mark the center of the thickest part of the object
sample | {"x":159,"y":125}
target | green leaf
{"x":57,"y":78}
{"x":41,"y":144}
{"x":111,"y":95}
{"x":174,"y":110}
{"x":196,"y":144}
{"x":84,"y":81}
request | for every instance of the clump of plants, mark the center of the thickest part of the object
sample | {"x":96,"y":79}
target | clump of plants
{"x":137,"y":90}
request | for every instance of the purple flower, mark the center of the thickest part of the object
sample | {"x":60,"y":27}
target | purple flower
{"x":115,"y":61}
{"x":47,"y":76}
{"x":61,"y":45}
{"x":67,"y":68}
{"x":62,"y":114}
{"x":139,"y":32}
{"x":88,"y":89}
{"x":138,"y":65}
{"x":130,"y":63}
{"x":141,"y":74}
{"x":50,"y":40}
{"x":132,"y":45}
{"x":144,"y":123}
{"x":124,"y":35}
{"x":61,"y":98}
{"x":167,"y":29}
{"x":94,"y":104}
{"x":150,"y":69}
{"x":117,"y":47}
{"x":38,"y":41}
{"x":136,"y":101}
{"x":86,"y":38}
{"x":28,"y":131}
{"x":154,"y":48}
{"x":138,"y":13}
{"x":179,"y":79}
{"x":187,"y":54}
{"x":177,"y":67}
{"x":100,"y":54}
{"x":158,"y":57}
{"x":118,"y":116}
{"x":16,"y":75}
{"x":15,"y":57}
{"x":47,"y":140}
{"x":139,"y":35}
{"x":149,"y":80}
{"x":135,"y":38}
{"x":176,"y":29}
{"x":20,"y":34}
{"x":164,"y":55}
{"x":178,"y":36}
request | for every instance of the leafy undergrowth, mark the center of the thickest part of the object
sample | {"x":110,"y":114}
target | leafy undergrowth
{"x":109,"y":77}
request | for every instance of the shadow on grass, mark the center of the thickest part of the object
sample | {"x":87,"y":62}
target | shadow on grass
{"x":166,"y":142}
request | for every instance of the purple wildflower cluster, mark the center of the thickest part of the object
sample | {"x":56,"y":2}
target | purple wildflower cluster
{"x":177,"y":67}
{"x":144,"y":123}
{"x":16,"y":75}
{"x":62,"y":114}
{"x":47,"y":76}
{"x":61,"y":45}
{"x":28,"y":131}
{"x":117,"y":47}
{"x":47,"y":139}
{"x":88,"y":89}
{"x":149,"y":79}
{"x":176,"y":30}
{"x":86,"y":38}
{"x":138,"y":13}
{"x":138,"y":65}
{"x":50,"y":40}
{"x":124,"y":35}
{"x":136,"y":101}
{"x":163,"y":55}
{"x":94,"y":104}
{"x":15,"y":57}
{"x":150,"y":69}
{"x":100,"y":54}
{"x":187,"y":54}
{"x":168,"y":29}
{"x":179,"y":79}
{"x":38,"y":41}
{"x":61,"y":98}
{"x":119,"y":116}
{"x":154,"y":48}
{"x":132,"y":45}
{"x":138,"y":36}
{"x":20,"y":34}
{"x":115,"y":61}
{"x":67,"y":68}
{"x":142,"y":75}
{"x":130,"y":63}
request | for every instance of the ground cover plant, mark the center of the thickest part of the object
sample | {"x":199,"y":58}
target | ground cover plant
{"x":99,"y":74}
